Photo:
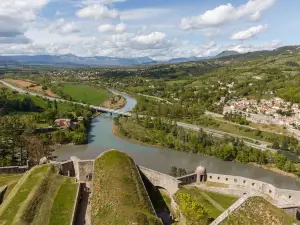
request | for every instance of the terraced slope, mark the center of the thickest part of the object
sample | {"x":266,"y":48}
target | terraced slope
{"x":119,"y":197}
{"x":258,"y":211}
{"x":33,"y":200}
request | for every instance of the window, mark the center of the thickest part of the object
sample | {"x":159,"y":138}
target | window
{"x":226,"y":179}
{"x":253,"y":184}
{"x":235,"y":180}
{"x":244,"y":182}
{"x":210,"y":177}
{"x":270,"y":191}
{"x":218,"y":178}
{"x":290,"y":197}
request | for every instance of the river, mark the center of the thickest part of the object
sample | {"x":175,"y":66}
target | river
{"x":101,"y":139}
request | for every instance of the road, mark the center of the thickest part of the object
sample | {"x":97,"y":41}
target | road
{"x":262,"y":145}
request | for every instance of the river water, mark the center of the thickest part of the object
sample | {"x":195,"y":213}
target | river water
{"x":101,"y":139}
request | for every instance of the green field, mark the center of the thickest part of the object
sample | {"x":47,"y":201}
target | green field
{"x":208,"y":200}
{"x":119,"y":197}
{"x":258,"y":211}
{"x":86,"y":94}
{"x":33,"y":200}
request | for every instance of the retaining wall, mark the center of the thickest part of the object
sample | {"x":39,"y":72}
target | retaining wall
{"x":171,"y":184}
{"x":257,"y":186}
{"x":80,"y":186}
{"x":13,"y":169}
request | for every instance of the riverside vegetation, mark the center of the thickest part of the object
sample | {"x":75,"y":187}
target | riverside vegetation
{"x":24,"y":124}
{"x":167,"y":134}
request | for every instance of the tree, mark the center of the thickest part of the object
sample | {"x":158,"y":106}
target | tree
{"x":173,"y":171}
{"x":37,"y":148}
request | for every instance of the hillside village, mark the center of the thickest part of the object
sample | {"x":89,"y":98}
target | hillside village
{"x":273,"y":111}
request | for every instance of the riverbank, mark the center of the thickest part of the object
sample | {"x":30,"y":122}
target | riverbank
{"x":114,"y":102}
{"x":124,"y":130}
{"x":272,"y":168}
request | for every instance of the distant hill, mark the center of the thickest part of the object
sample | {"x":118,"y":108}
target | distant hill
{"x":70,"y":60}
{"x":286,"y":50}
{"x":189,"y":59}
{"x":73,"y":60}
{"x":227,"y":53}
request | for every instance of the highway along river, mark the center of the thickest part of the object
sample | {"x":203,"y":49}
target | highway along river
{"x":101,"y":139}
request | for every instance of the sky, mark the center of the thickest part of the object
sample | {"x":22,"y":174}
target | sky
{"x":160,"y":29}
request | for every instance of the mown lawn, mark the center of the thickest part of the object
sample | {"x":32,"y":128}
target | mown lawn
{"x":10,"y":180}
{"x":119,"y":197}
{"x":40,"y":195}
{"x":224,"y":200}
{"x":9,"y":210}
{"x":258,"y":211}
{"x":86,"y":94}
{"x":62,"y":208}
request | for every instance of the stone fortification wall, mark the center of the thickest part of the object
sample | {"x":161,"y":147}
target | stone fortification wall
{"x":67,"y":168}
{"x":256,"y":186}
{"x":188,"y":179}
{"x":13,"y":169}
{"x":84,"y":169}
{"x":171,"y":184}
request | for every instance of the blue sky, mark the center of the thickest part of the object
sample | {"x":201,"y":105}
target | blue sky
{"x":160,"y":29}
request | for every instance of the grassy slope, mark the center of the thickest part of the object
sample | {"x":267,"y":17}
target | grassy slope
{"x":30,"y":202}
{"x":10,"y":180}
{"x":258,"y":211}
{"x":84,"y":93}
{"x":62,"y":207}
{"x":118,"y":193}
{"x":224,"y":200}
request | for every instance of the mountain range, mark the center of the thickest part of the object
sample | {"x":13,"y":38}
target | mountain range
{"x":70,"y":60}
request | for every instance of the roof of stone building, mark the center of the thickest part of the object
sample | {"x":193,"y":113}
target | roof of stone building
{"x":200,"y":170}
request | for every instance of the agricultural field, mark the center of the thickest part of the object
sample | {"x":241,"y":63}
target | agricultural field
{"x":119,"y":197}
{"x":31,"y":86}
{"x":85,"y":93}
{"x":40,"y":196}
{"x":257,"y":210}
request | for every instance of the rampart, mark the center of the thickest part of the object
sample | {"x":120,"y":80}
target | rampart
{"x":171,"y":184}
{"x":277,"y":194}
{"x":13,"y":169}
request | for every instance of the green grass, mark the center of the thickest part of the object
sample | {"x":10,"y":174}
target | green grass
{"x":224,"y":200}
{"x":196,"y":195}
{"x":257,"y":210}
{"x":63,"y":204}
{"x":33,"y":200}
{"x":17,"y":198}
{"x":10,"y":180}
{"x":119,"y":197}
{"x":87,"y":94}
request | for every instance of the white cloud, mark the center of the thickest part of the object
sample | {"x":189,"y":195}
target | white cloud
{"x":143,"y":13}
{"x":15,"y":14}
{"x":244,"y":48}
{"x":119,"y":28}
{"x":227,"y":13}
{"x":97,"y":12}
{"x":62,"y":27}
{"x":152,"y":38}
{"x":251,"y":32}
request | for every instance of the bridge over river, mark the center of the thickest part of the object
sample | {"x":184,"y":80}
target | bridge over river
{"x":98,"y":108}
